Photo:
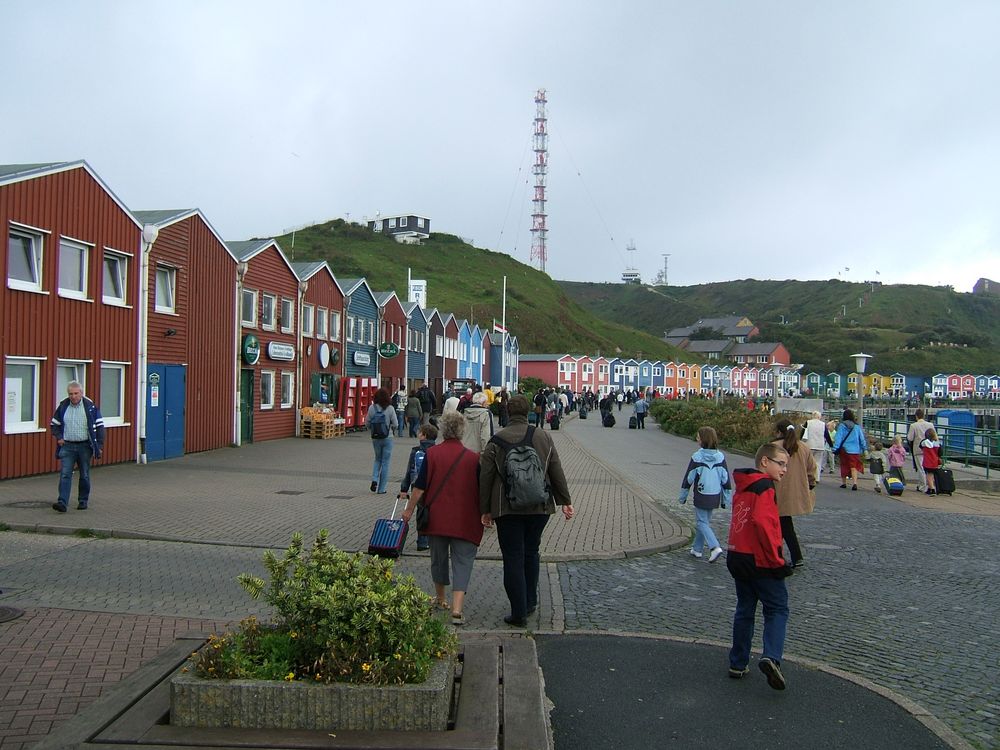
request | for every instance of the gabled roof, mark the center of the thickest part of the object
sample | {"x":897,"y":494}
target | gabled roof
{"x":463,"y":323}
{"x":384,"y":298}
{"x":708,"y":346}
{"x":540,"y":357}
{"x":413,"y":309}
{"x":166,"y":217}
{"x":496,"y":339}
{"x":246,"y":250}
{"x":447,"y":318}
{"x":305,"y":270}
{"x":11,"y":173}
{"x":755,"y":348}
{"x":349,"y":286}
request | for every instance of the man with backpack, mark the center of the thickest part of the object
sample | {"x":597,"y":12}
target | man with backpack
{"x":521,"y":480}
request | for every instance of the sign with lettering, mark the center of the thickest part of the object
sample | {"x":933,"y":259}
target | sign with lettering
{"x":251,"y":349}
{"x":362,"y":359}
{"x":388,"y":350}
{"x":279,"y":351}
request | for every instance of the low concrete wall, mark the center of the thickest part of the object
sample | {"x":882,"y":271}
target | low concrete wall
{"x":260,"y":704}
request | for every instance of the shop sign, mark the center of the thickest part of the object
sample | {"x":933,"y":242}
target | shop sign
{"x":362,"y":359}
{"x":334,"y":357}
{"x":388,"y":350}
{"x":324,"y":355}
{"x":283,"y":352}
{"x":251,"y":349}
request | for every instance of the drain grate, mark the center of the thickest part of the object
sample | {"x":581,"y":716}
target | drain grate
{"x":29,"y":504}
{"x":290,"y":492}
{"x":10,"y":613}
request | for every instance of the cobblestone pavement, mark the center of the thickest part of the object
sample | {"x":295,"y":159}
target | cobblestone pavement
{"x":908,"y":598}
{"x":905,"y":597}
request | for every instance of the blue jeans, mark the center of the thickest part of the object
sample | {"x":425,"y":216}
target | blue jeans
{"x":400,"y":422}
{"x":771,"y":593}
{"x":519,"y":537}
{"x":703,"y":534}
{"x":380,"y":469}
{"x":70,"y":455}
{"x":414,"y":426}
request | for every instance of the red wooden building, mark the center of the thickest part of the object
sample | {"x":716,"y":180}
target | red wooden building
{"x":268,"y":351}
{"x":190,"y":389}
{"x":68,"y":309}
{"x":322,"y":350}
{"x":392,"y":330}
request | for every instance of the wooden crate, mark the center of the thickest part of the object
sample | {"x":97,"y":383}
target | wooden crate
{"x":318,"y":430}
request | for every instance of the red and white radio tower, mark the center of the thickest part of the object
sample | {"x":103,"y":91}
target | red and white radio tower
{"x":539,"y":232}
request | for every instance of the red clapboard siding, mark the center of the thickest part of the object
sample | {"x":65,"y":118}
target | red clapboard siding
{"x":74,"y":204}
{"x":323,"y":292}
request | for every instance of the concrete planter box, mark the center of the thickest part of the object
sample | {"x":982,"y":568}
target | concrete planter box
{"x":263,"y":704}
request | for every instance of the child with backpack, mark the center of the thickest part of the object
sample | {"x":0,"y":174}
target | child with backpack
{"x":708,"y":474}
{"x":427,"y":435}
{"x":878,"y":460}
{"x":897,"y":457}
{"x":931,"y":448}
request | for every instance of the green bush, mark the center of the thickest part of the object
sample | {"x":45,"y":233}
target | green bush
{"x":738,"y":428}
{"x":338,"y":617}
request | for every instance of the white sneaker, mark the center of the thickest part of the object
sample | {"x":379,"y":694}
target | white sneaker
{"x":714,"y":554}
{"x":694,"y":554}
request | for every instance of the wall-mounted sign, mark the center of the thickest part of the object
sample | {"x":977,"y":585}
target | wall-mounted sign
{"x":388,"y":350}
{"x":154,"y":378}
{"x":283,"y":352}
{"x":251,"y":349}
{"x":324,"y":355}
{"x":334,"y":357}
{"x":362,"y":359}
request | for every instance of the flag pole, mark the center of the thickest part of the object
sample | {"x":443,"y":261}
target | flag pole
{"x":503,"y":318}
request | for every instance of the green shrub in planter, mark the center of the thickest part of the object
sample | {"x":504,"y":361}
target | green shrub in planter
{"x":338,"y":617}
{"x":738,"y":428}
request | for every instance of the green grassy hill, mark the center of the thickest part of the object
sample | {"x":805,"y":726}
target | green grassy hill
{"x":902,"y":325}
{"x":468,"y":282}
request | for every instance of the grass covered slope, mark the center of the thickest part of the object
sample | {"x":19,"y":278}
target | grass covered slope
{"x":902,"y":325}
{"x":468,"y":282}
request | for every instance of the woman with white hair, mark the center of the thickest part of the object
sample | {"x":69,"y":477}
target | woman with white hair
{"x":817,"y":438}
{"x":478,"y":423}
{"x":448,"y":484}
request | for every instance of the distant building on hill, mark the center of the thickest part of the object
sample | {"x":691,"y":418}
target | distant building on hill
{"x":736,"y":328}
{"x":408,"y":228}
{"x":985,"y":286}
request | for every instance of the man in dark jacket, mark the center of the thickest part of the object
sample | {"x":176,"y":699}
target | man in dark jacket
{"x":757,"y":566}
{"x":519,"y":531}
{"x":78,"y":427}
{"x":427,"y":402}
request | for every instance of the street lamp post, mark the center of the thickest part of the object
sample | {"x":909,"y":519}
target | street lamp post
{"x":860,"y":363}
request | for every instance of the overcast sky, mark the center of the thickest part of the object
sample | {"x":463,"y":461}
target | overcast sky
{"x":747,"y":139}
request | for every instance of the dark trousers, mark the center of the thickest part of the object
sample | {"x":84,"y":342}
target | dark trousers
{"x":520,"y":537}
{"x":791,"y":539}
{"x":640,"y":418}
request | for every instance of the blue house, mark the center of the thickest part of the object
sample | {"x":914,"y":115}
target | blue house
{"x":476,"y":354}
{"x":709,"y":377}
{"x":417,"y":327}
{"x":361,"y":329}
{"x":502,"y":367}
{"x":993,"y":387}
{"x":982,"y":385}
{"x":903,"y":385}
{"x":464,"y":349}
{"x":645,"y":374}
{"x":512,"y":350}
{"x":624,"y":374}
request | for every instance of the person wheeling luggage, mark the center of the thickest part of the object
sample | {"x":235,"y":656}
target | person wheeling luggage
{"x":931,"y":460}
{"x":427,"y":435}
{"x":449,"y":477}
{"x":878,"y":460}
{"x":897,"y":458}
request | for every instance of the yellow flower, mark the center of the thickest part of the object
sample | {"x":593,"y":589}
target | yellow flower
{"x":319,"y":676}
{"x":290,"y":676}
{"x":293,"y":634}
{"x":366,"y":667}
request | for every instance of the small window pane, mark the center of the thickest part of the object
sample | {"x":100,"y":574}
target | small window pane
{"x":112,"y":404}
{"x":25,"y":255}
{"x":335,"y":326}
{"x":308,"y":313}
{"x":115,"y":273}
{"x":249,"y":308}
{"x":321,"y":321}
{"x":267,"y":311}
{"x":287,"y":315}
{"x":267,"y":390}
{"x":166,"y":286}
{"x":66,"y":373}
{"x":20,"y":398}
{"x":72,"y":268}
{"x":286,"y":390}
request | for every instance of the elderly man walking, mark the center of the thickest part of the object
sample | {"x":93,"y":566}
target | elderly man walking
{"x":78,"y":428}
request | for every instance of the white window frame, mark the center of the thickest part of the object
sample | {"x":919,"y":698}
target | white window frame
{"x":21,"y":426}
{"x":420,"y":223}
{"x":308,"y":319}
{"x":250,"y":294}
{"x":392,"y":223}
{"x":268,"y":322}
{"x":83,"y":250}
{"x":266,"y":390}
{"x":108,"y":370}
{"x":371,"y":333}
{"x":121,"y":265}
{"x":162,"y":306}
{"x":287,"y":315}
{"x":439,"y":344}
{"x":322,"y":321}
{"x":37,"y":255}
{"x":334,"y":325}
{"x":289,"y":378}
{"x":350,"y":329}
{"x":402,"y":221}
{"x":79,"y":375}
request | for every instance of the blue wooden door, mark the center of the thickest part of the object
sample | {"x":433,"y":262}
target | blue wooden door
{"x":165,"y":393}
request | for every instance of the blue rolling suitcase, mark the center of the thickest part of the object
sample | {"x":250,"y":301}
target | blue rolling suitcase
{"x":388,"y":536}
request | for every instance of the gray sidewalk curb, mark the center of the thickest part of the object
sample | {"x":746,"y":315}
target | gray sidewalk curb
{"x":913,"y":708}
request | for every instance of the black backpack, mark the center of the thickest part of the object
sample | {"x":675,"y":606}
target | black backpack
{"x":523,"y":475}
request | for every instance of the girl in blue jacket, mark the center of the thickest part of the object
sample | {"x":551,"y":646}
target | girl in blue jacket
{"x":713,"y":487}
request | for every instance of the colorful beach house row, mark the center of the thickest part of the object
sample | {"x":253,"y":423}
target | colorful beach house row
{"x":186,"y":341}
{"x":671,"y":379}
{"x":900,"y":385}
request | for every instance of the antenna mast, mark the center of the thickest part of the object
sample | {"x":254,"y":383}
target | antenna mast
{"x":666,"y":260}
{"x":539,"y":232}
